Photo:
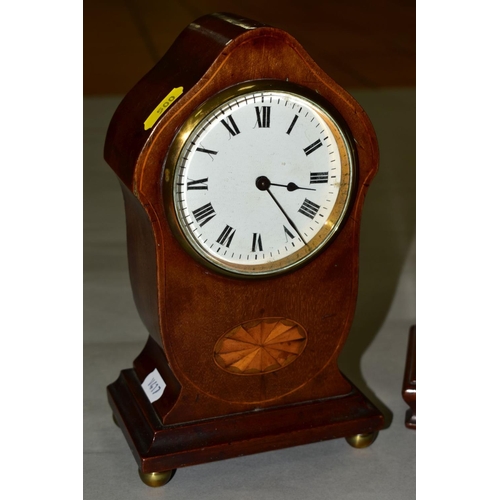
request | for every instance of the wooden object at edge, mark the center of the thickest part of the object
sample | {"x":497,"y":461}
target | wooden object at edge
{"x":410,"y":380}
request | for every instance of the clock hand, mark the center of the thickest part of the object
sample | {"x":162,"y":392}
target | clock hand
{"x":291,"y":186}
{"x":263,"y":183}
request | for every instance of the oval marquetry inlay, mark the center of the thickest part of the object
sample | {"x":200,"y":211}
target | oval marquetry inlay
{"x":260,"y":346}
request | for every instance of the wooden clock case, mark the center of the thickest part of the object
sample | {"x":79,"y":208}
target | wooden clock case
{"x":207,"y":413}
{"x":410,"y":380}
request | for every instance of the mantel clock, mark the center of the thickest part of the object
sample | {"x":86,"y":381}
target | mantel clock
{"x":243,"y":168}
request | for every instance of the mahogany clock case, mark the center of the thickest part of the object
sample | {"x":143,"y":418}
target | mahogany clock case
{"x":373,"y":357}
{"x":312,"y":402}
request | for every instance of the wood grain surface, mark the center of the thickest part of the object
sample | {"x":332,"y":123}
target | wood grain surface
{"x":187,"y":308}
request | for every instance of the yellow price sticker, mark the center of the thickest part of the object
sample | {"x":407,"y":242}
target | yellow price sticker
{"x":162,"y":107}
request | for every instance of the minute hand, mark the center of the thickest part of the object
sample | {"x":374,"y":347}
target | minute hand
{"x":290,"y":221}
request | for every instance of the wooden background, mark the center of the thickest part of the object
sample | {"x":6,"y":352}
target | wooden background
{"x":359,"y":43}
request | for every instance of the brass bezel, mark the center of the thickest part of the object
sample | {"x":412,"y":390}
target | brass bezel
{"x":338,"y":214}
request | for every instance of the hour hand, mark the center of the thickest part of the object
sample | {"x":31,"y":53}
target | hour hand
{"x":291,"y":186}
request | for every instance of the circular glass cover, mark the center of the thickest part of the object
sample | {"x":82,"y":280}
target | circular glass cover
{"x":260,"y":180}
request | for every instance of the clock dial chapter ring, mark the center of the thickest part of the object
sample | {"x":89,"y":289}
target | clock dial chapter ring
{"x":259,"y":179}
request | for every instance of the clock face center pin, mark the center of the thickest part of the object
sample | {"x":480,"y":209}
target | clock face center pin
{"x":263,"y":183}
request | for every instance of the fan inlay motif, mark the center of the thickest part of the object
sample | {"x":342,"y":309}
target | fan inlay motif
{"x":260,"y":346}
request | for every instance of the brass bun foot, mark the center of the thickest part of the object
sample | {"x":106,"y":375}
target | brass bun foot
{"x":156,"y":479}
{"x":362,"y":440}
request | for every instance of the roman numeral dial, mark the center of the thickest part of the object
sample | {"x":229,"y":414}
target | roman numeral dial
{"x":263,"y":116}
{"x":294,"y":121}
{"x":313,"y":147}
{"x":226,"y":236}
{"x":204,"y":214}
{"x":207,"y":151}
{"x":197,"y":184}
{"x":230,"y":125}
{"x":257,"y":242}
{"x":309,"y":208}
{"x":318,"y":177}
{"x":255,"y":182}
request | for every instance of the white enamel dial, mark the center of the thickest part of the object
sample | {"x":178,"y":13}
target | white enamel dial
{"x":261,"y":182}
